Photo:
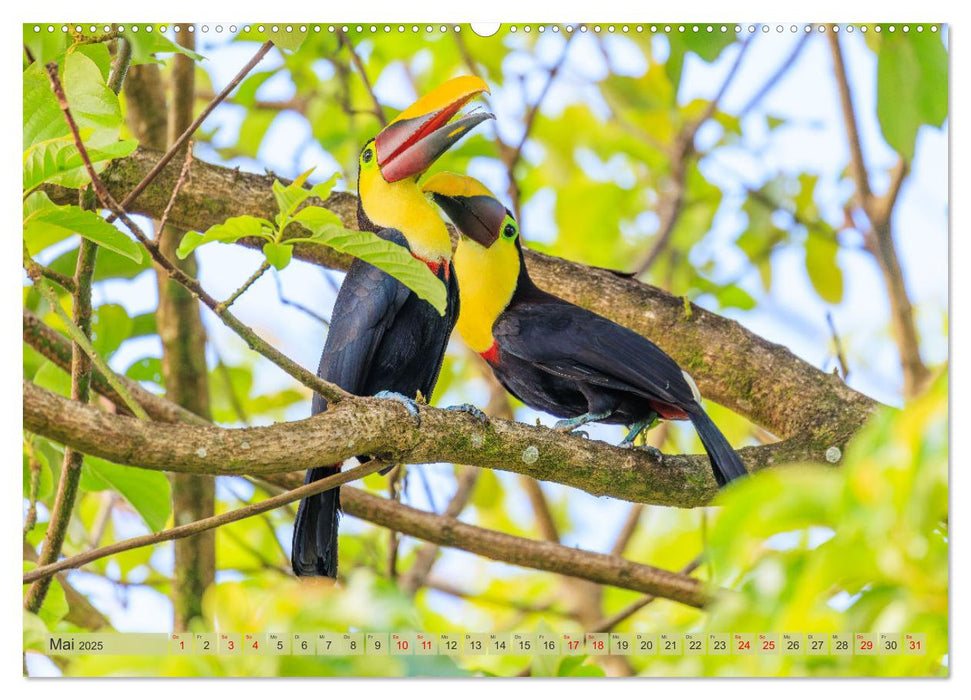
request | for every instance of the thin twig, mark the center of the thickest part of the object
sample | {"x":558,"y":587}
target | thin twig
{"x":628,"y":529}
{"x":330,"y":391}
{"x":770,"y":84}
{"x":296,"y":304}
{"x":857,"y":162}
{"x":669,"y":209}
{"x":608,"y":623}
{"x":234,"y":401}
{"x":264,"y":266}
{"x":879,"y":241}
{"x":57,"y":349}
{"x":108,"y":499}
{"x":35,"y":269}
{"x":428,"y":553}
{"x":511,"y":157}
{"x":78,"y":336}
{"x":70,"y":477}
{"x":395,"y":479}
{"x":195,"y":528}
{"x":838,"y":347}
{"x":535,"y":107}
{"x":187,"y":134}
{"x":175,"y":193}
{"x":378,"y":111}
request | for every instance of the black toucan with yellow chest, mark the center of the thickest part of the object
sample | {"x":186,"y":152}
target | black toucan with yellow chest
{"x":383,"y":339}
{"x":553,"y":355}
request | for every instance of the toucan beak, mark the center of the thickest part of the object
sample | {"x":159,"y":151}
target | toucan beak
{"x":410,"y":144}
{"x":476,"y":213}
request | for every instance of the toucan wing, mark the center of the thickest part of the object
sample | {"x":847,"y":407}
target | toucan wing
{"x":574,"y":343}
{"x":366,"y":306}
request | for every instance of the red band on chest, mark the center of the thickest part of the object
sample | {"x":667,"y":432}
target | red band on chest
{"x":434,"y":265}
{"x":492,"y":354}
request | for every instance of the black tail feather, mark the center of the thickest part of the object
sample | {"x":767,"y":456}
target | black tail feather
{"x":725,"y":462}
{"x":314,"y":550}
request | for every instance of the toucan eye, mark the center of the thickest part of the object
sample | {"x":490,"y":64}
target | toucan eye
{"x":509,"y":231}
{"x":367,"y":155}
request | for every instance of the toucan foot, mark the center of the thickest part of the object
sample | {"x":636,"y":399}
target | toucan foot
{"x":568,"y":425}
{"x":409,"y":404}
{"x":650,"y":449}
{"x":471,"y":410}
{"x":636,"y":429}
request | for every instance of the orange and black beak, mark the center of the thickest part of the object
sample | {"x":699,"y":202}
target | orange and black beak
{"x":410,"y":144}
{"x":475,"y":211}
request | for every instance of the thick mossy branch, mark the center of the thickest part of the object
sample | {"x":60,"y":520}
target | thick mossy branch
{"x":733,"y":366}
{"x":384,"y":428}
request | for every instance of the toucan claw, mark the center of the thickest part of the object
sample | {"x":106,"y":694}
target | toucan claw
{"x":471,"y":410}
{"x":409,"y":404}
{"x":650,"y":449}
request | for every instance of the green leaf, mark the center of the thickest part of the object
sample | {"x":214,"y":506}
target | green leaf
{"x":278,"y":254}
{"x":573,"y":667}
{"x":229,"y":231}
{"x":824,"y":272}
{"x":53,"y":378}
{"x":289,"y":40}
{"x":144,"y":46}
{"x":110,"y":265}
{"x":44,"y":46}
{"x":59,"y":161}
{"x":707,"y":46}
{"x":46,"y":223}
{"x":35,"y":632}
{"x":55,"y":604}
{"x":911,"y":87}
{"x":322,"y":189}
{"x":384,"y":255}
{"x":43,"y":120}
{"x":93,"y":104}
{"x":110,"y":327}
{"x":147,"y":491}
{"x":291,"y":196}
{"x":147,"y":369}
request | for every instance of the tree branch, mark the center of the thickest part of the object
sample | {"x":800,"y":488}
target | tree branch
{"x":385,"y":429}
{"x":330,"y":391}
{"x":359,"y":66}
{"x":880,"y":243}
{"x":199,"y":526}
{"x":382,"y":512}
{"x":56,"y":348}
{"x":732,"y":366}
{"x":178,"y":144}
{"x":669,"y":208}
{"x":67,"y":485}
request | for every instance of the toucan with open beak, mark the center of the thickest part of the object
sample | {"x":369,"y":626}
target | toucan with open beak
{"x":553,"y":355}
{"x":383,"y":339}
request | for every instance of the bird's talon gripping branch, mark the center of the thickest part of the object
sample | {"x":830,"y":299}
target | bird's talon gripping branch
{"x":471,"y":410}
{"x":650,"y":449}
{"x":569,"y":425}
{"x":409,"y":404}
{"x":636,"y":429}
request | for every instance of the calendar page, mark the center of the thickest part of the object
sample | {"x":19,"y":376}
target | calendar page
{"x":438,"y":349}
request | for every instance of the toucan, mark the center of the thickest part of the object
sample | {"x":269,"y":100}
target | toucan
{"x":383,"y":339}
{"x":553,"y":355}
